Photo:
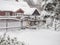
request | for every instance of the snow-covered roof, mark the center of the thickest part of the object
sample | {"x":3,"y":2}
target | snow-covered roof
{"x":12,"y":5}
{"x":29,"y":11}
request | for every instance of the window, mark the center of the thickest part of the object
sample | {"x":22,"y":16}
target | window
{"x":7,"y":13}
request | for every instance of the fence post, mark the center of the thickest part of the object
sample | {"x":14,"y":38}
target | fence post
{"x":6,"y":24}
{"x":55,"y":26}
{"x":21,"y":24}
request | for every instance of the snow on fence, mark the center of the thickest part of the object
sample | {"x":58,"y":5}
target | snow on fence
{"x":27,"y":22}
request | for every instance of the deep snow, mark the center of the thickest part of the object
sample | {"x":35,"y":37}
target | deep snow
{"x":36,"y":37}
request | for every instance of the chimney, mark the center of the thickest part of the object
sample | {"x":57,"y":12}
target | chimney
{"x":17,"y":0}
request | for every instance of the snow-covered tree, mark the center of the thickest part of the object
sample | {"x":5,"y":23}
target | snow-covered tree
{"x":52,"y":8}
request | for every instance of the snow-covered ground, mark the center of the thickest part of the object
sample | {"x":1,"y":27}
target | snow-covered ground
{"x":36,"y":37}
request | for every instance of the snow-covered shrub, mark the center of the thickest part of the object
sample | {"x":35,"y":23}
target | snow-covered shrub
{"x":9,"y":41}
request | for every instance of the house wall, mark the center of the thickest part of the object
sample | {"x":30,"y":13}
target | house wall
{"x":3,"y":13}
{"x":10,"y":13}
{"x":36,"y":12}
{"x":20,"y":11}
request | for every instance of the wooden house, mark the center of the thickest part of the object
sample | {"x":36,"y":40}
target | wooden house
{"x":12,"y":7}
{"x":36,"y":12}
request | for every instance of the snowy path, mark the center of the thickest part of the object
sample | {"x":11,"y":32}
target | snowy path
{"x":36,"y":37}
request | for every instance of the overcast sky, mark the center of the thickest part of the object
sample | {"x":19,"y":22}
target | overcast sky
{"x":35,"y":1}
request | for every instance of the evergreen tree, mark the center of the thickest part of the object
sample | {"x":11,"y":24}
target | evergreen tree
{"x":53,"y":7}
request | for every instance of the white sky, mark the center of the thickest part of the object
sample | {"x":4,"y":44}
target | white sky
{"x":35,"y":1}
